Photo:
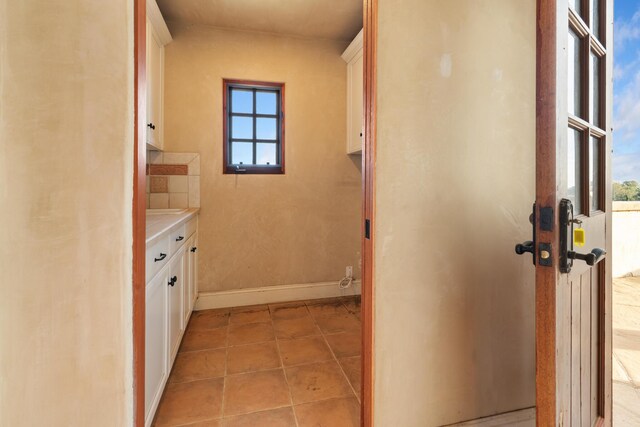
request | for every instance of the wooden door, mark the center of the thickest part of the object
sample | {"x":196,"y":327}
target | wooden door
{"x":573,"y":190}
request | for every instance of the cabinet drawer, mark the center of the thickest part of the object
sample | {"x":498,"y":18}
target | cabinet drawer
{"x":157,"y":257}
{"x":177,"y":238}
{"x":191,"y":227}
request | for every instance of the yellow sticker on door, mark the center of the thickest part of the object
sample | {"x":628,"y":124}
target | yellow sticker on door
{"x":579,"y":237}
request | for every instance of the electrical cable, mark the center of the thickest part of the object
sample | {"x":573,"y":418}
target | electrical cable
{"x":346,"y":282}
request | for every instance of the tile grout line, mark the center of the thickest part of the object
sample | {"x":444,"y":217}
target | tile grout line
{"x":284,"y":372}
{"x":335,"y":358}
{"x":340,"y":364}
{"x":226,"y":358}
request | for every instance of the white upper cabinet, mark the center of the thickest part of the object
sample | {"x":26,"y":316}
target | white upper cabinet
{"x":355,"y":82}
{"x":157,"y":37}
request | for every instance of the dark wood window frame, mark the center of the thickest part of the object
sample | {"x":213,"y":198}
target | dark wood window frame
{"x":256,"y":86}
{"x":591,"y":44}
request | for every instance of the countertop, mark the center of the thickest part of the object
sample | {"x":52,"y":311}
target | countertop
{"x":159,"y":222}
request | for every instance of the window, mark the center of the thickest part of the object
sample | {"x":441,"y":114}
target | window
{"x":586,"y":97}
{"x":253,"y":127}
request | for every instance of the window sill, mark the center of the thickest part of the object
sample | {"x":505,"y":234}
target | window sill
{"x":253,"y":170}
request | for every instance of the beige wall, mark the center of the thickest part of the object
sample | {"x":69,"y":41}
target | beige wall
{"x":455,"y":183}
{"x":261,"y":230}
{"x":626,"y":245}
{"x":65,"y":254}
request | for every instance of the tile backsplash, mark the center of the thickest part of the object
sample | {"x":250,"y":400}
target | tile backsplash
{"x":173,"y":180}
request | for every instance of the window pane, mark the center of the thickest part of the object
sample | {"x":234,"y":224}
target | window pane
{"x":573,"y":170}
{"x":576,"y":5}
{"x":594,"y":81}
{"x":266,"y":128}
{"x":242,"y":153}
{"x":266,"y":154}
{"x":573,"y":74}
{"x":595,"y":17}
{"x":266,"y":103}
{"x":241,"y":128}
{"x":241,"y":101}
{"x":594,"y":174}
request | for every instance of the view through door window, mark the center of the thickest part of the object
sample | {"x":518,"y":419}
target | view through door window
{"x":626,"y":215}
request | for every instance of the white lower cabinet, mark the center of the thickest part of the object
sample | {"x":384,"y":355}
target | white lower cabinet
{"x":176,"y":320}
{"x":170,"y":298}
{"x":187,"y":302}
{"x":193,"y":270}
{"x":156,"y":365}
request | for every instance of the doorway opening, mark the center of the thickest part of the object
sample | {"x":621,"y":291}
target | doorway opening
{"x":626,"y":215}
{"x":254,"y":141}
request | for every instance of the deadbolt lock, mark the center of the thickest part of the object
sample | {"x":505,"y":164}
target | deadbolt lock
{"x":544,"y":254}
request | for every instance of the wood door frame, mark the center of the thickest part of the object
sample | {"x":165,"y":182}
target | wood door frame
{"x":370,"y":25}
{"x":546,"y":278}
{"x":139,"y":205}
{"x":548,"y":354}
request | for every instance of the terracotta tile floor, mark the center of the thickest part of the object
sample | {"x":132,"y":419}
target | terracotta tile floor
{"x":292,"y":364}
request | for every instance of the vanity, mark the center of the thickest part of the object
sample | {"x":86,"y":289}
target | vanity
{"x":171,"y":291}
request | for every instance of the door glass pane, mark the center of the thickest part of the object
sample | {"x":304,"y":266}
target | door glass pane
{"x":594,"y":173}
{"x":594,"y":82}
{"x":241,"y":127}
{"x":241,"y":101}
{"x":595,"y":17}
{"x":266,"y":103}
{"x":574,"y":170}
{"x":266,"y":154}
{"x":573,"y":74}
{"x":576,"y":5}
{"x":266,"y":128}
{"x":242,"y":153}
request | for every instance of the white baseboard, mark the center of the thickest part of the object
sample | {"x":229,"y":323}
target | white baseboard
{"x":273,"y":294}
{"x":521,"y":418}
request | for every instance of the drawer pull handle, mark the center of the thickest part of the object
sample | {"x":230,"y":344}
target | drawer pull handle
{"x":193,"y":249}
{"x":162,"y":256}
{"x":179,"y":238}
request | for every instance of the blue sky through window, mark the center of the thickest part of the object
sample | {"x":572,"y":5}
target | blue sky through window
{"x":626,"y":91}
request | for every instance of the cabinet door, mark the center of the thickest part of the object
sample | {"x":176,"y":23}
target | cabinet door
{"x":176,"y":286}
{"x":355,"y":79}
{"x":155,"y":65}
{"x":156,"y":366}
{"x":193,"y":269}
{"x":186,"y":289}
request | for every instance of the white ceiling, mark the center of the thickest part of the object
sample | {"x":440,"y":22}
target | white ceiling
{"x":326,"y":19}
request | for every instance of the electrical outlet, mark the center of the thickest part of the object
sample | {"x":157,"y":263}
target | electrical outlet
{"x":349,"y":271}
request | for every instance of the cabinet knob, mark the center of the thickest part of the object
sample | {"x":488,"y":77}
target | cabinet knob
{"x":193,"y":249}
{"x":173,"y":281}
{"x":152,"y":126}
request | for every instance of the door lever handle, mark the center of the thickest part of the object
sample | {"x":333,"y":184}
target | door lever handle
{"x":592,"y":258}
{"x":524,"y":247}
{"x":567,"y":254}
